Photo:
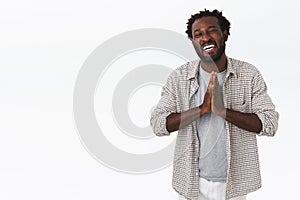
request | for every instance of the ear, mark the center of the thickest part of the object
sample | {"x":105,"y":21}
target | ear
{"x":225,"y":34}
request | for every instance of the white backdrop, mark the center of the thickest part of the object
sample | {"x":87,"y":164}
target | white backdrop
{"x":43,"y":45}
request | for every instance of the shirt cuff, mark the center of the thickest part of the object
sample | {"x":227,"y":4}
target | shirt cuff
{"x":266,"y":130}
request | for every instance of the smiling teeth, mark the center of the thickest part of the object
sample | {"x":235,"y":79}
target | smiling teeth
{"x":208,"y":47}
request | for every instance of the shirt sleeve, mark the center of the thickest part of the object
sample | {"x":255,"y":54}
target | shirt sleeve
{"x":263,"y":106}
{"x":165,"y":106}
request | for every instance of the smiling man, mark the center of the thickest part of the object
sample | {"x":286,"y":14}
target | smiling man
{"x":218,"y":105}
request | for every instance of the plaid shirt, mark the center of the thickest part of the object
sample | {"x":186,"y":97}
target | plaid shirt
{"x":244,"y":90}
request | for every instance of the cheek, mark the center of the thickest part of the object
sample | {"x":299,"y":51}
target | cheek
{"x":197,"y":46}
{"x":196,"y":40}
{"x":219,"y":40}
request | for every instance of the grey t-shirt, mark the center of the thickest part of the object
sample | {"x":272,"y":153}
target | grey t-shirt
{"x":212,"y":135}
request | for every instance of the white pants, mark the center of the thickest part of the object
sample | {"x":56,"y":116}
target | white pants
{"x":209,"y":190}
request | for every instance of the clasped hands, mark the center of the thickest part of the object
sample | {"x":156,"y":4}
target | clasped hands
{"x":213,"y":101}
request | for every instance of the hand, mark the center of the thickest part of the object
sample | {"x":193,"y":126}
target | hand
{"x":217,"y":106}
{"x":206,"y":105}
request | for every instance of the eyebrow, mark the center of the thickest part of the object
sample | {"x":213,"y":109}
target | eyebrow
{"x":212,"y":26}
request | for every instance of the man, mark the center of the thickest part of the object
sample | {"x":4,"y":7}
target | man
{"x":218,"y":105}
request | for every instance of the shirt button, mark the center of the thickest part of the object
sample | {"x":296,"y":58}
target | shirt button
{"x":268,"y":130}
{"x":196,"y":159}
{"x":197,"y":174}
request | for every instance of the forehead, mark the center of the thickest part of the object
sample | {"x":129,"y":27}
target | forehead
{"x":205,"y":22}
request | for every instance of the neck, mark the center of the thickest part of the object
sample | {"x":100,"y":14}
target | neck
{"x":217,"y":66}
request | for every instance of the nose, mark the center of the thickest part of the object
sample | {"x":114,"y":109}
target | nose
{"x":206,"y":37}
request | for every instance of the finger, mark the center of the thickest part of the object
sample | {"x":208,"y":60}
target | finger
{"x":210,"y":85}
{"x":213,"y":83}
{"x":216,"y":81}
{"x":214,"y":77}
{"x":211,"y":77}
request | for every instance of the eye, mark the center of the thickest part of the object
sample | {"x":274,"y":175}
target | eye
{"x":212,"y":30}
{"x":197,"y":35}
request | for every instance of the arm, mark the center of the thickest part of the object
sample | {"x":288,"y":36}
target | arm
{"x":263,"y":120}
{"x":164,"y":108}
{"x":164,"y":118}
{"x":176,"y":121}
{"x":247,"y":121}
{"x":263,"y":106}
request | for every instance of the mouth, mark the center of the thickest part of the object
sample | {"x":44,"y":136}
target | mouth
{"x":208,"y":48}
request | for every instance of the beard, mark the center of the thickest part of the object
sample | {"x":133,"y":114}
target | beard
{"x":213,"y":58}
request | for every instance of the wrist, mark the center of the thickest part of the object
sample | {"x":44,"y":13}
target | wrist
{"x":203,"y":110}
{"x":222,"y":113}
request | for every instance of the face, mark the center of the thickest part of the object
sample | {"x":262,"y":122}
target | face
{"x":208,"y":39}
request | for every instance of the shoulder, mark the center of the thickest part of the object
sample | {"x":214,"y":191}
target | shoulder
{"x":185,"y":71}
{"x":243,"y":67}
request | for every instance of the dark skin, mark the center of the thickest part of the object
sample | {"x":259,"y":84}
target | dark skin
{"x":207,"y":31}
